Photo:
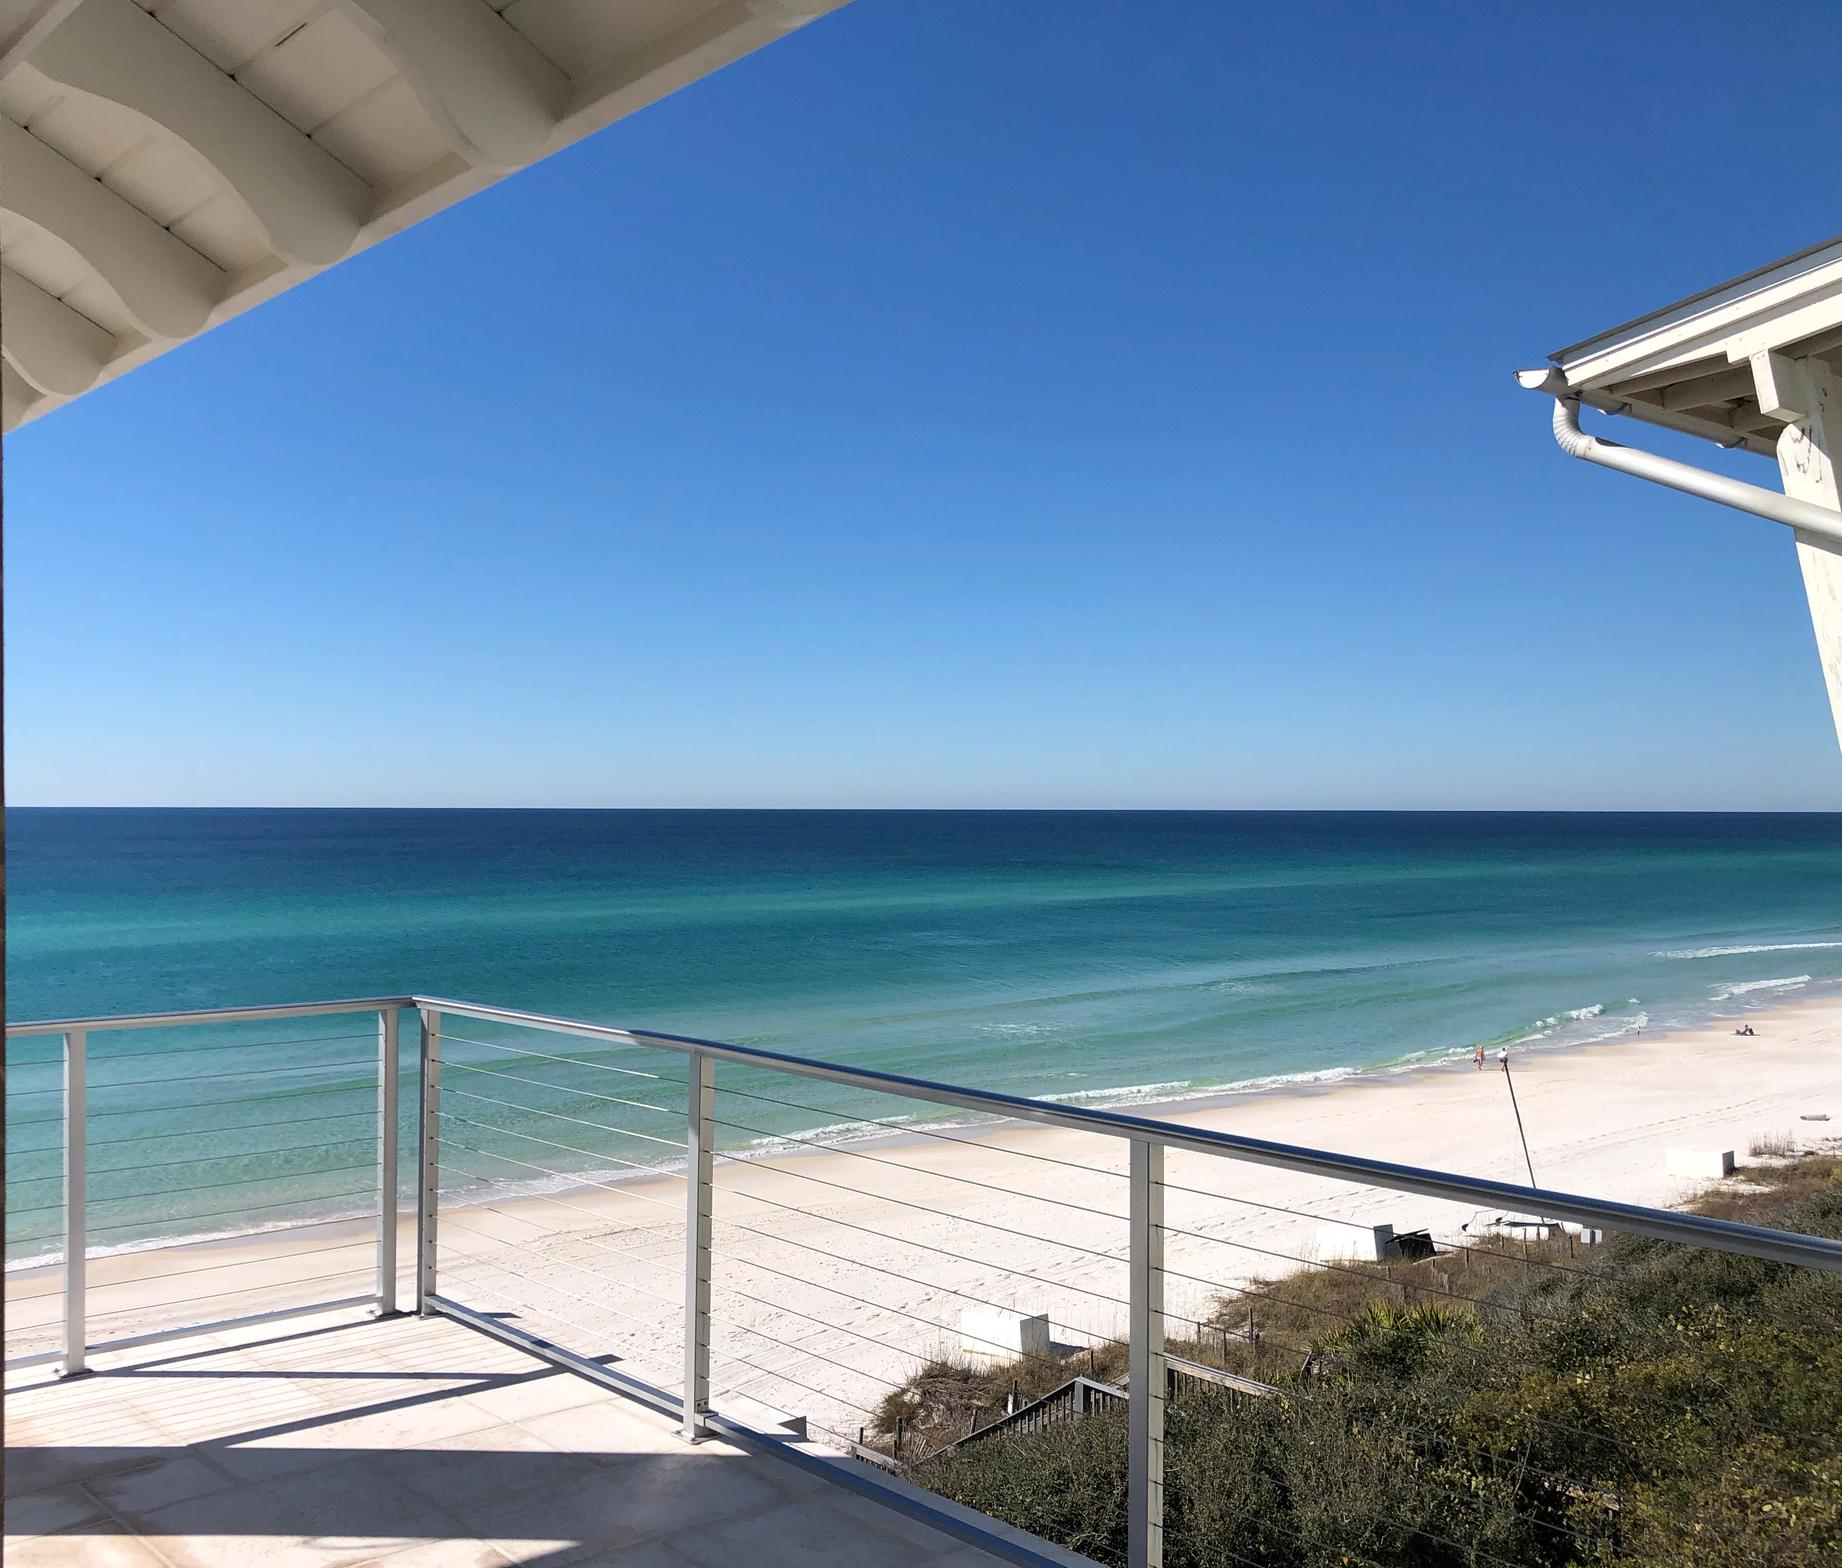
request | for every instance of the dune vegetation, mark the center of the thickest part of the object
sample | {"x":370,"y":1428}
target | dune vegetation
{"x":1635,"y":1403}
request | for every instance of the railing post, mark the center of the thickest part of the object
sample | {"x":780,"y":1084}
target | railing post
{"x":698,"y":1207}
{"x":1145,"y":1414}
{"x":428,"y":1165}
{"x":388,"y":1073}
{"x":76,"y":1192}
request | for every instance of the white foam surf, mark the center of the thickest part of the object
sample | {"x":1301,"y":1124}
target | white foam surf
{"x":1738,"y":951}
{"x":1724,"y":993}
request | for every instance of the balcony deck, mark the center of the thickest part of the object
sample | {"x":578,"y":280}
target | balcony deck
{"x":420,"y":1443}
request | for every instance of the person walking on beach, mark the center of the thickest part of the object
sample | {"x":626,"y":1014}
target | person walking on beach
{"x":1503,"y":1058}
{"x":1478,"y":1057}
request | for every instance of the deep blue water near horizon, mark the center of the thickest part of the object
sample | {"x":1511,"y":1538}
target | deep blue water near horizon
{"x":1097,"y":955}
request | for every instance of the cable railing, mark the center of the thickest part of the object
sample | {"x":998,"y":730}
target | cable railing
{"x":176,"y":1173}
{"x":693,"y":1224}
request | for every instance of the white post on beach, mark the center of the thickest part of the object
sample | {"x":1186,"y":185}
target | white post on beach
{"x":1145,"y":1317}
{"x":698,"y":1207}
{"x":387,"y":1074}
{"x":76,"y":1192}
{"x":428,"y":1172}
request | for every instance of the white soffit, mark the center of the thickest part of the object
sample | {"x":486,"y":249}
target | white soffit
{"x":1689,"y":365}
{"x":167,"y":164}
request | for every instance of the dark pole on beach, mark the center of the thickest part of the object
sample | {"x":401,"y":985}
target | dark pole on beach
{"x":1519,"y":1132}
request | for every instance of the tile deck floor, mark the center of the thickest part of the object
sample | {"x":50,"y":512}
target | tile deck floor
{"x":406,"y":1442}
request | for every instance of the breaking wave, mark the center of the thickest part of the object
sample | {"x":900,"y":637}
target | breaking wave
{"x":1723,"y":993}
{"x":1734,"y":952}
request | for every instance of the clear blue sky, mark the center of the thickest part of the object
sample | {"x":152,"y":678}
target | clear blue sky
{"x":975,"y":402}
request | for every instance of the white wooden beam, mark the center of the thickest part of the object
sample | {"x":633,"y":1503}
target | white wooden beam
{"x":23,"y":23}
{"x":308,"y":203}
{"x":1785,"y":391}
{"x":789,"y":14}
{"x":47,"y":342}
{"x":17,"y":395}
{"x":1808,"y":451}
{"x":495,"y":98}
{"x":1705,"y":391}
{"x":164,"y":284}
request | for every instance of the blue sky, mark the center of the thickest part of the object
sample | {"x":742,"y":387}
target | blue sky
{"x":974,"y":402}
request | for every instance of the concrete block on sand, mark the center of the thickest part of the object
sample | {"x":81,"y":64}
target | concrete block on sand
{"x":992,"y":1331}
{"x":1699,"y":1164}
{"x":1358,"y":1243}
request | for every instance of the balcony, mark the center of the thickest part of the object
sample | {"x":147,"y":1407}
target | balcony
{"x":306,"y":1285}
{"x":414,"y":1441}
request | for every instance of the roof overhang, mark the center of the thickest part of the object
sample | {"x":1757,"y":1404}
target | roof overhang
{"x":168,"y":164}
{"x":1693,"y":366}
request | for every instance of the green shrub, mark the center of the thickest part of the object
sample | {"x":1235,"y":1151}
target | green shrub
{"x":1644,"y":1404}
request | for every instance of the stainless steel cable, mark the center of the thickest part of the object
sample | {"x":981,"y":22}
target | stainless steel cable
{"x":579,"y":1181}
{"x":918,"y":1170}
{"x":96,"y":1057}
{"x":906,"y":1130}
{"x":152,"y":1137}
{"x":983,"y":1263}
{"x":1325,"y":1219}
{"x":567,"y":1148}
{"x":567,"y":1061}
{"x":532,"y":1110}
{"x":788,"y":1377}
{"x":211,"y":1159}
{"x":906,"y":1279}
{"x":539,"y":1197}
{"x":750,"y":1230}
{"x":129,"y":1250}
{"x":864,"y":1301}
{"x":238,"y":1099}
{"x":241,"y":1181}
{"x":837,"y":1328}
{"x":242,"y":1072}
{"x":676,"y":1303}
{"x":596,"y":1306}
{"x":922,"y":1208}
{"x":594,"y":1331}
{"x":803,"y":1348}
{"x":676,"y":1111}
{"x":192,"y":1219}
{"x":93,"y":1284}
{"x":240,"y":1290}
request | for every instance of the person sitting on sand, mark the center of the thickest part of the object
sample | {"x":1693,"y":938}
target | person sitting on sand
{"x":1744,"y":1029}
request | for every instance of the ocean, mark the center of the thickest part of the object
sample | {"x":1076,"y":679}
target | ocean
{"x":1097,"y":957}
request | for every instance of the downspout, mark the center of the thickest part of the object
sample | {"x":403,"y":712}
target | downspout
{"x":1805,"y":516}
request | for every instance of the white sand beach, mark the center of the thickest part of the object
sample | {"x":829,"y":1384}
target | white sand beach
{"x":837,"y":1272}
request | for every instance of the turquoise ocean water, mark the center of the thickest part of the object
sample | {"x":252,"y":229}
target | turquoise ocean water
{"x":1105,"y":957}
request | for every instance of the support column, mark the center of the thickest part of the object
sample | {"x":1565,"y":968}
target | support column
{"x":388,"y":1067}
{"x":1146,"y":1379}
{"x":76,"y":1201}
{"x":699,"y":1206}
{"x":1810,"y":394}
{"x":428,"y":1165}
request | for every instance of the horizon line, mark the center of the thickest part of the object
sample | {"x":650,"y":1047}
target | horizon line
{"x":1627,"y":811}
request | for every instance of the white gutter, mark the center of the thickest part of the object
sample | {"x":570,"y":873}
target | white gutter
{"x":1805,"y":516}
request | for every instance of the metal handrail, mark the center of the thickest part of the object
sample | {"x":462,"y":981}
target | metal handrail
{"x":207,"y":1015}
{"x":1694,"y":1230}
